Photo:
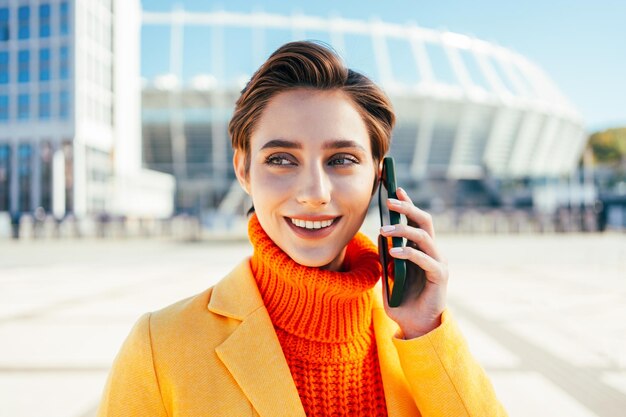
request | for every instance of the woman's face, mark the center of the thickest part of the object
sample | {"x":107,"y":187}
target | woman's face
{"x":311,"y":174}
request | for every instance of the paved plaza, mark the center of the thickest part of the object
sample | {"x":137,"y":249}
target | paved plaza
{"x":545,"y":315}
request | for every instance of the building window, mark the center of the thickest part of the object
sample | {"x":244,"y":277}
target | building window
{"x":23,"y":22}
{"x":4,"y":67}
{"x":64,"y":105}
{"x":46,"y":155}
{"x":68,"y":153}
{"x":23,"y":106}
{"x":5,"y":32}
{"x":44,"y":20}
{"x":64,"y":63}
{"x":44,"y":105}
{"x":4,"y":108}
{"x":24,"y":159}
{"x":23,"y":66}
{"x":64,"y":18}
{"x":5,"y":176}
{"x":44,"y":64}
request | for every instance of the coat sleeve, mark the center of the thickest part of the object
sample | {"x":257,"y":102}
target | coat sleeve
{"x":443,"y":376}
{"x":132,"y":388}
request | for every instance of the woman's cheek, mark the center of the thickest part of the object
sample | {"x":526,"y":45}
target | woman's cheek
{"x":355,"y":186}
{"x":280,"y":182}
{"x":268,"y":185}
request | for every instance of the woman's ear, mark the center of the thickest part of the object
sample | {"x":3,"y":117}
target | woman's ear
{"x":239,"y":162}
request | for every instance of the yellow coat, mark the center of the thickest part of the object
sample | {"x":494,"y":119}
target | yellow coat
{"x":216,"y":354}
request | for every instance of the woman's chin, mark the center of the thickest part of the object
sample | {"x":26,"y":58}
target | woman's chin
{"x":332,"y":263}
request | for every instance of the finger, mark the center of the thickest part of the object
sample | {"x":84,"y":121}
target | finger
{"x":436,"y":272}
{"x":401,"y":192}
{"x":422,"y":218}
{"x":419,"y":237}
{"x":405,"y":206}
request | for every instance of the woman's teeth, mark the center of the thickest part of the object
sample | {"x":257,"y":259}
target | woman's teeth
{"x":312,"y":225}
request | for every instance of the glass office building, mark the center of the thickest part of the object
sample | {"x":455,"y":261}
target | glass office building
{"x":70,"y":136}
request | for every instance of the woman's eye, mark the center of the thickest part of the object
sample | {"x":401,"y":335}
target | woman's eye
{"x":278,"y":160}
{"x":343,"y":160}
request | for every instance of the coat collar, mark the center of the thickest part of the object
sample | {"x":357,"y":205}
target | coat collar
{"x":236,"y":295}
{"x":252,"y":353}
{"x":254,"y":357}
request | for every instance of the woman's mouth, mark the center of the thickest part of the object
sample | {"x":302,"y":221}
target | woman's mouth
{"x":312,"y":229}
{"x":307,"y":224}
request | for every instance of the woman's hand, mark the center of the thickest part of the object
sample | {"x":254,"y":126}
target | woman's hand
{"x":420,"y":312}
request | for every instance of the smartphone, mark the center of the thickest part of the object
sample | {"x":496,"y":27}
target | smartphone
{"x":398,"y":274}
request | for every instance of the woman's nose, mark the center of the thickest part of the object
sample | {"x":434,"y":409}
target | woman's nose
{"x":315,"y":187}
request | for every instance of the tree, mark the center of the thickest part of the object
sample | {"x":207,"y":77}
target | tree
{"x":609,"y":147}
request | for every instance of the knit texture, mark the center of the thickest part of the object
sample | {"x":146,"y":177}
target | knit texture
{"x":323,"y":322}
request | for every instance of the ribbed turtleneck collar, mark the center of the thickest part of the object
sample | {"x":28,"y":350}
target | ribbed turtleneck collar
{"x":311,"y":303}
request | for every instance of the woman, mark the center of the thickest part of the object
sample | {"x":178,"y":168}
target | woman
{"x":299,"y":328}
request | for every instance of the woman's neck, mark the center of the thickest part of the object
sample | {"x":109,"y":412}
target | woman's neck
{"x":314,"y":303}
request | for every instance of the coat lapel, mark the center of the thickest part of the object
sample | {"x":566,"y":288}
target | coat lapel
{"x":397,"y":394}
{"x":253,"y":356}
{"x":252,"y":353}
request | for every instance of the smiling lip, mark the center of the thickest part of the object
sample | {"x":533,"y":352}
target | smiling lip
{"x":313,"y":233}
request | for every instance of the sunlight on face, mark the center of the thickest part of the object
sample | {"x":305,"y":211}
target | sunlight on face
{"x":311,"y":174}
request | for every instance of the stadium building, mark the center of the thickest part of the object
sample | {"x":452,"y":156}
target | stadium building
{"x":70,"y":131}
{"x":478,"y":124}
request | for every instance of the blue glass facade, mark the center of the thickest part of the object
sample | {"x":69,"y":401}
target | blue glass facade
{"x":23,"y":66}
{"x":4,"y":67}
{"x":44,"y":20}
{"x":64,"y":18}
{"x":44,"y":105}
{"x":64,"y":104}
{"x":23,"y":22}
{"x":5,"y":32}
{"x":23,"y":106}
{"x":4,"y":108}
{"x":44,"y":64}
{"x":64,"y":63}
{"x":36,"y":96}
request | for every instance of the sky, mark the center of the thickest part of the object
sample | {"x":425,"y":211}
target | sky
{"x":581,"y":45}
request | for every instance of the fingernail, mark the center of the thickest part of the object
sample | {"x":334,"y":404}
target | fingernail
{"x":388,"y":228}
{"x":395,"y":250}
{"x":395,"y":202}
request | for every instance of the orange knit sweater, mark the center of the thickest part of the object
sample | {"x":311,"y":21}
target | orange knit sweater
{"x":323,"y":322}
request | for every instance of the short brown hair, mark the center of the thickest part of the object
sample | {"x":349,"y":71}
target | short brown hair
{"x":308,"y":64}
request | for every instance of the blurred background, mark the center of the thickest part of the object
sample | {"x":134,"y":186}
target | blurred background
{"x":116,"y":175}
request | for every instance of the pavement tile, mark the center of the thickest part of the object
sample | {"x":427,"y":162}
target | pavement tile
{"x":543,"y":314}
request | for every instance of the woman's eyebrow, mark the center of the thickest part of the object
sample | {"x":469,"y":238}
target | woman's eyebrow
{"x":342,"y":143}
{"x":282,"y":143}
{"x":330,"y":144}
